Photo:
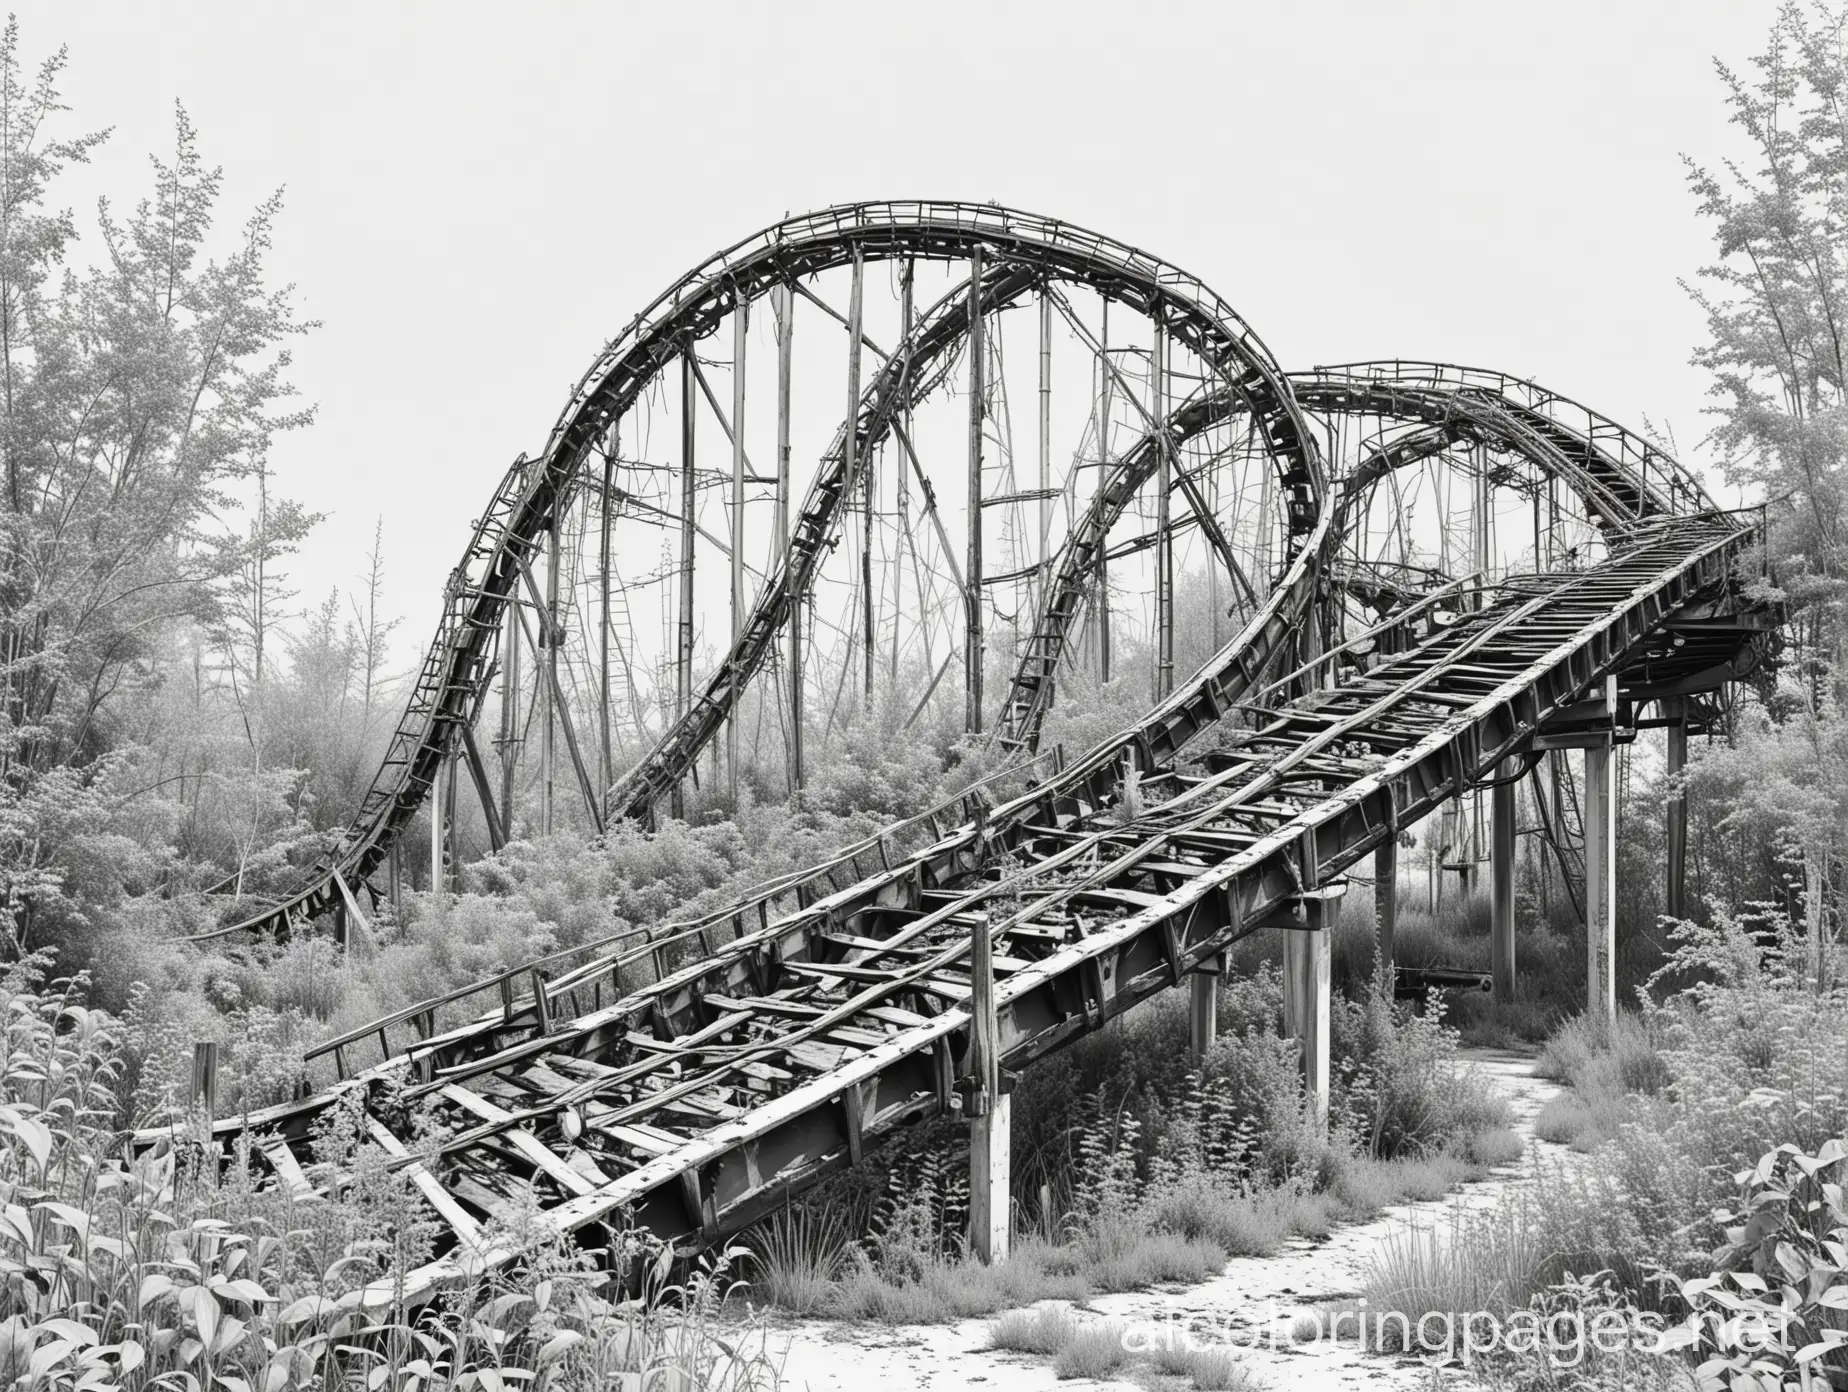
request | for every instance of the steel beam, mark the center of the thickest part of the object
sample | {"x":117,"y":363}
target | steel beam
{"x":1202,"y":1013}
{"x":1386,"y":905}
{"x":606,"y":762}
{"x":1501,"y":885}
{"x":1601,"y":871}
{"x":741,"y":336}
{"x":548,"y":693}
{"x":974,"y":638}
{"x":1164,"y":532}
{"x":1675,"y":711}
{"x":689,"y":503}
{"x":856,"y":465}
{"x":785,"y":304}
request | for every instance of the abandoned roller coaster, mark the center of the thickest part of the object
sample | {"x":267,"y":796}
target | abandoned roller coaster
{"x":1432,"y":580}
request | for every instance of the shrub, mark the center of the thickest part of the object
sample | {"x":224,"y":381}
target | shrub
{"x":1784,"y":1264}
{"x":1401,"y":1087}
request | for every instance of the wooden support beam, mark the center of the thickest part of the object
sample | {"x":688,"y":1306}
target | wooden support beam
{"x":445,"y":1203}
{"x":203,"y":1096}
{"x":574,"y":1180}
{"x":1386,"y":905}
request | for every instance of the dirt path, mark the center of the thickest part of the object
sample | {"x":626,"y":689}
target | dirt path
{"x":1251,"y":1304}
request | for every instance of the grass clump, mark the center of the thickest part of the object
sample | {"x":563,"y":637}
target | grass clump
{"x":1093,"y":1350}
{"x":1043,"y":1331}
{"x":1205,"y":1368}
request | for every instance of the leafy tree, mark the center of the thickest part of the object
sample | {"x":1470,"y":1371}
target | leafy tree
{"x":142,"y":396}
{"x":1776,"y":302}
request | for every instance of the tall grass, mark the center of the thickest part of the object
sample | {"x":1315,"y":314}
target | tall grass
{"x":1133,"y":1170}
{"x":1673,"y":1104}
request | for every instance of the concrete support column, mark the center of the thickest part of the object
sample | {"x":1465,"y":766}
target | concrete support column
{"x":1501,"y":885}
{"x":1386,"y":906}
{"x":1675,"y":710}
{"x":989,"y":1108}
{"x":1202,"y":1013}
{"x":1307,"y":986}
{"x":1600,"y":881}
{"x":990,"y":1179}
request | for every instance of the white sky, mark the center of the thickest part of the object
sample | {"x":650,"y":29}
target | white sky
{"x":478,"y":196}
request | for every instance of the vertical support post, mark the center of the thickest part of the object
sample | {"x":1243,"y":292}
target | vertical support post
{"x":1676,"y":899}
{"x":203,"y":1095}
{"x":741,"y":328}
{"x":451,"y":861}
{"x":1210,"y":490}
{"x":511,"y":643}
{"x":1045,"y":443}
{"x":785,"y":308}
{"x":394,"y":875}
{"x":1202,"y":1013}
{"x":689,"y":502}
{"x":606,"y":763}
{"x":1601,"y":874}
{"x":901,"y":536}
{"x":991,"y":1110}
{"x":548,"y":687}
{"x":972,"y":598}
{"x":856,"y":300}
{"x":1386,"y":906}
{"x":1501,"y":885}
{"x":1101,"y":605}
{"x":1266,"y":522}
{"x":436,"y":826}
{"x":1307,"y":1000}
{"x":1164,"y":536}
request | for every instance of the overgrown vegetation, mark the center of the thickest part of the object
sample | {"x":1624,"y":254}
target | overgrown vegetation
{"x":144,"y":1270}
{"x":176,"y":722}
{"x":1132,"y":1170}
{"x":1686,"y":1112}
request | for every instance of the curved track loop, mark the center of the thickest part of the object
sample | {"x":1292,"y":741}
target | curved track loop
{"x":455,"y":672}
{"x":1621,"y":479}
